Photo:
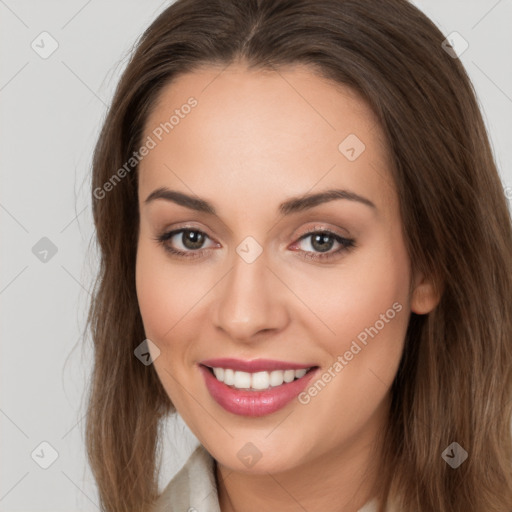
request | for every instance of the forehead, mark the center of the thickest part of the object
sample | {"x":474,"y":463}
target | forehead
{"x":256,"y":134}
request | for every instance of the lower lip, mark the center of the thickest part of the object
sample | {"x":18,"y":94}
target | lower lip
{"x":254,"y":403}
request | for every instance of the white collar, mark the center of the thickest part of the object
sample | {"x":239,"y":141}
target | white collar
{"x":193,"y":488}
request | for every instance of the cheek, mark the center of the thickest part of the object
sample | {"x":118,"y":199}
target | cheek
{"x":165,"y":293}
{"x":366,"y":301}
{"x":366,"y":305}
{"x":385,"y":315}
{"x":369,"y":292}
{"x":363,"y":286}
{"x":155,"y":301}
{"x":163,"y":304}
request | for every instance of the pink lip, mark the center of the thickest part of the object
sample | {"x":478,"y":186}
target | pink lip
{"x":253,"y":403}
{"x":256,"y":365}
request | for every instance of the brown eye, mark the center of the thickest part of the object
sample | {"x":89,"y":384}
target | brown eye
{"x":192,"y":240}
{"x":321,"y":242}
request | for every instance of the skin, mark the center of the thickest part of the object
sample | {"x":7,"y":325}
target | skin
{"x":255,"y":139}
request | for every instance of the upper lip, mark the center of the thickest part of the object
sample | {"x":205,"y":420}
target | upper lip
{"x":255,"y":365}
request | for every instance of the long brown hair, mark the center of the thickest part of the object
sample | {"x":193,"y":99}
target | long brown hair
{"x":454,"y":383}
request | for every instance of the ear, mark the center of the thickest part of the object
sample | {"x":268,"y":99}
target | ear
{"x":425,"y":295}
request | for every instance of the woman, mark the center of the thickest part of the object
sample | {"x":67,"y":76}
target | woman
{"x":306,"y":253}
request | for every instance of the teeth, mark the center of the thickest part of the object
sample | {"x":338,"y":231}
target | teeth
{"x":229,"y":377}
{"x":219,"y":373}
{"x":257,"y":380}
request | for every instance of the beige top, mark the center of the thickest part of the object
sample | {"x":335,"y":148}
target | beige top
{"x":193,"y":488}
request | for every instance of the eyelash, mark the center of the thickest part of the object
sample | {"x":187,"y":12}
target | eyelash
{"x":346,"y":244}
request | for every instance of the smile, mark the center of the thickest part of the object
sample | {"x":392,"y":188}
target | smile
{"x":255,"y":393}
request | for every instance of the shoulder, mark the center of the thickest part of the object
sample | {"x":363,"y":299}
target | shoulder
{"x":193,"y":488}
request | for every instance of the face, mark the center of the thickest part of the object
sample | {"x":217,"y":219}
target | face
{"x":323,"y":284}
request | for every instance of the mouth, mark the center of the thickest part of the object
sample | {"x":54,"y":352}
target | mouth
{"x":256,"y":393}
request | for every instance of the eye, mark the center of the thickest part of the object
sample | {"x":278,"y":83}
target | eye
{"x":190,"y":239}
{"x":323,"y":241}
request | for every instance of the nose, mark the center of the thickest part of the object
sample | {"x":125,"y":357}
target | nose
{"x":250,"y":301}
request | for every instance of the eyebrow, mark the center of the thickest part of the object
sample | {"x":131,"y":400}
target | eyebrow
{"x":291,"y":205}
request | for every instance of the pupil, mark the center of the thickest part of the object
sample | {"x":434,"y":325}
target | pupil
{"x":323,"y":239}
{"x":192,"y":239}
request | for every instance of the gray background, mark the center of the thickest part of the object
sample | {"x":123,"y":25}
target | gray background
{"x":52,"y":111}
